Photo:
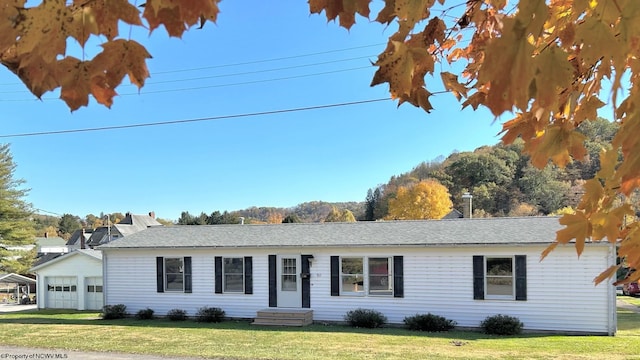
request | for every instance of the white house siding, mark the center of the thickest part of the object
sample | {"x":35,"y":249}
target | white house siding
{"x":72,"y":270}
{"x":561,"y":295}
{"x":139,"y":291}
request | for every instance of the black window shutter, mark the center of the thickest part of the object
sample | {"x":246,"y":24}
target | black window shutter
{"x":160,"y":273}
{"x":217,"y":269}
{"x":521,"y":277}
{"x":187,"y":274}
{"x":273,"y":282}
{"x":248,"y":275}
{"x":398,"y":276}
{"x":478,"y":277}
{"x":335,"y":276}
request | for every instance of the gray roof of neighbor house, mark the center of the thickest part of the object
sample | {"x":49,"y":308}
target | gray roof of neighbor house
{"x":131,"y":224}
{"x":525,"y":230}
{"x":75,"y":237}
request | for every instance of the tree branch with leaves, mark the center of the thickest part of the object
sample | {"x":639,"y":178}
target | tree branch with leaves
{"x":547,"y":62}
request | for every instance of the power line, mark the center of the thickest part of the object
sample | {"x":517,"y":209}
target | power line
{"x":269,"y":60}
{"x":213,"y":86}
{"x":256,"y":62}
{"x":184,"y":121}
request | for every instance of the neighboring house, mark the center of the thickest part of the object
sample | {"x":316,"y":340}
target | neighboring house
{"x":102,"y":235}
{"x":71,"y":281}
{"x":50,"y":245}
{"x":462,"y":269}
{"x":74,"y":280}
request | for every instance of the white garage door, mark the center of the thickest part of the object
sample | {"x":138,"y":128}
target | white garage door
{"x":62,"y":292}
{"x":94,"y":293}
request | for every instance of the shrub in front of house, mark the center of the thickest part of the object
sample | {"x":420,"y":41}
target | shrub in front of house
{"x":209,"y":314}
{"x":111,"y":312}
{"x":429,"y":322}
{"x":365,"y":318}
{"x":502,"y":325}
{"x":177,"y":315}
{"x":144,"y":314}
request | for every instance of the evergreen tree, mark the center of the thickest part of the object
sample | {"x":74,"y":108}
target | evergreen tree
{"x":16,"y":225}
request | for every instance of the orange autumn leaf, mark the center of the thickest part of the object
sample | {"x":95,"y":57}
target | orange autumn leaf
{"x":577,"y":227}
{"x":346,"y":10}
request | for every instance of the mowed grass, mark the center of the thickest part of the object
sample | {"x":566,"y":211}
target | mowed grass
{"x":73,"y":330}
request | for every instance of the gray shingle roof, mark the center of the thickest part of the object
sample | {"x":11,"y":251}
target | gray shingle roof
{"x":526,"y":230}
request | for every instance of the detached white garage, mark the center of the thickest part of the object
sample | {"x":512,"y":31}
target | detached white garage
{"x":71,"y":281}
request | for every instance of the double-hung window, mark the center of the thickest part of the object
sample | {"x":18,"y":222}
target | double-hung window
{"x":173,"y":274}
{"x":233,"y":270}
{"x":500,"y":277}
{"x":233,"y":275}
{"x":366,"y":276}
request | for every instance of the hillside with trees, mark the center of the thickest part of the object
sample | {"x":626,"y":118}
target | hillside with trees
{"x":501,"y":178}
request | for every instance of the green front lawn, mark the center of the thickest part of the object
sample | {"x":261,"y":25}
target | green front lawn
{"x":72,"y":330}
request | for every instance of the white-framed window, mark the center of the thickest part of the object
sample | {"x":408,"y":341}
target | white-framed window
{"x":233,"y":274}
{"x":499,"y":277}
{"x":366,"y":275}
{"x":174,"y":274}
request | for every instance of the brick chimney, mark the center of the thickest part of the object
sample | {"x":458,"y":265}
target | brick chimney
{"x":467,"y":205}
{"x":82,"y":245}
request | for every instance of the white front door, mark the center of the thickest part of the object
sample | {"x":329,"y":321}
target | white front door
{"x":289,"y":284}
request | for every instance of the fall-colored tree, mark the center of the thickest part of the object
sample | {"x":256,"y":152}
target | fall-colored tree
{"x":427,"y":199}
{"x":336,"y":215}
{"x":551,"y":63}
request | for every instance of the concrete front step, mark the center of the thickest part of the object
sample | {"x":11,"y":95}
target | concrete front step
{"x":284,"y":317}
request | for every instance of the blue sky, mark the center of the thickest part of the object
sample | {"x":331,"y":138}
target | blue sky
{"x":259,"y":57}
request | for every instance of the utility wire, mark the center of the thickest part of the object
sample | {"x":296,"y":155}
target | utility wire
{"x":212,"y":118}
{"x":213,"y":86}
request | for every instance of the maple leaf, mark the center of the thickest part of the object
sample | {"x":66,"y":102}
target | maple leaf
{"x":451,"y":83}
{"x":41,"y":35}
{"x":558,"y":144}
{"x":75,"y":77}
{"x":577,"y":227}
{"x":475,"y":100}
{"x":344,"y":9}
{"x":8,"y":31}
{"x":553,"y":73}
{"x":120,"y":58}
{"x":610,"y":272}
{"x":587,"y":110}
{"x":402,"y":66}
{"x":608,"y":224}
{"x":626,"y":139}
{"x":178,"y":16}
{"x":508,"y":68}
{"x":105,"y":15}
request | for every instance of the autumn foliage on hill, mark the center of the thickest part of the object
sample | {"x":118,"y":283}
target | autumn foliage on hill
{"x":550,"y":63}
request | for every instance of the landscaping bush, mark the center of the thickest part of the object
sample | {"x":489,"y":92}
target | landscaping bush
{"x":209,"y":314}
{"x":144,"y":314}
{"x":502,"y":325}
{"x":110,"y":312}
{"x":428,"y":322}
{"x":177,"y":315}
{"x":365,"y":318}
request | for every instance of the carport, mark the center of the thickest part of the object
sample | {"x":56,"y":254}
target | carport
{"x":16,"y":285}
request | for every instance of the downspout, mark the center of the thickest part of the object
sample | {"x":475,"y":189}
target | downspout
{"x":612,"y":296}
{"x":104,"y":278}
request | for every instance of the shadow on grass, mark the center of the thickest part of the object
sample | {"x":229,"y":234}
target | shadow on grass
{"x":92,"y":318}
{"x":627,"y":320}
